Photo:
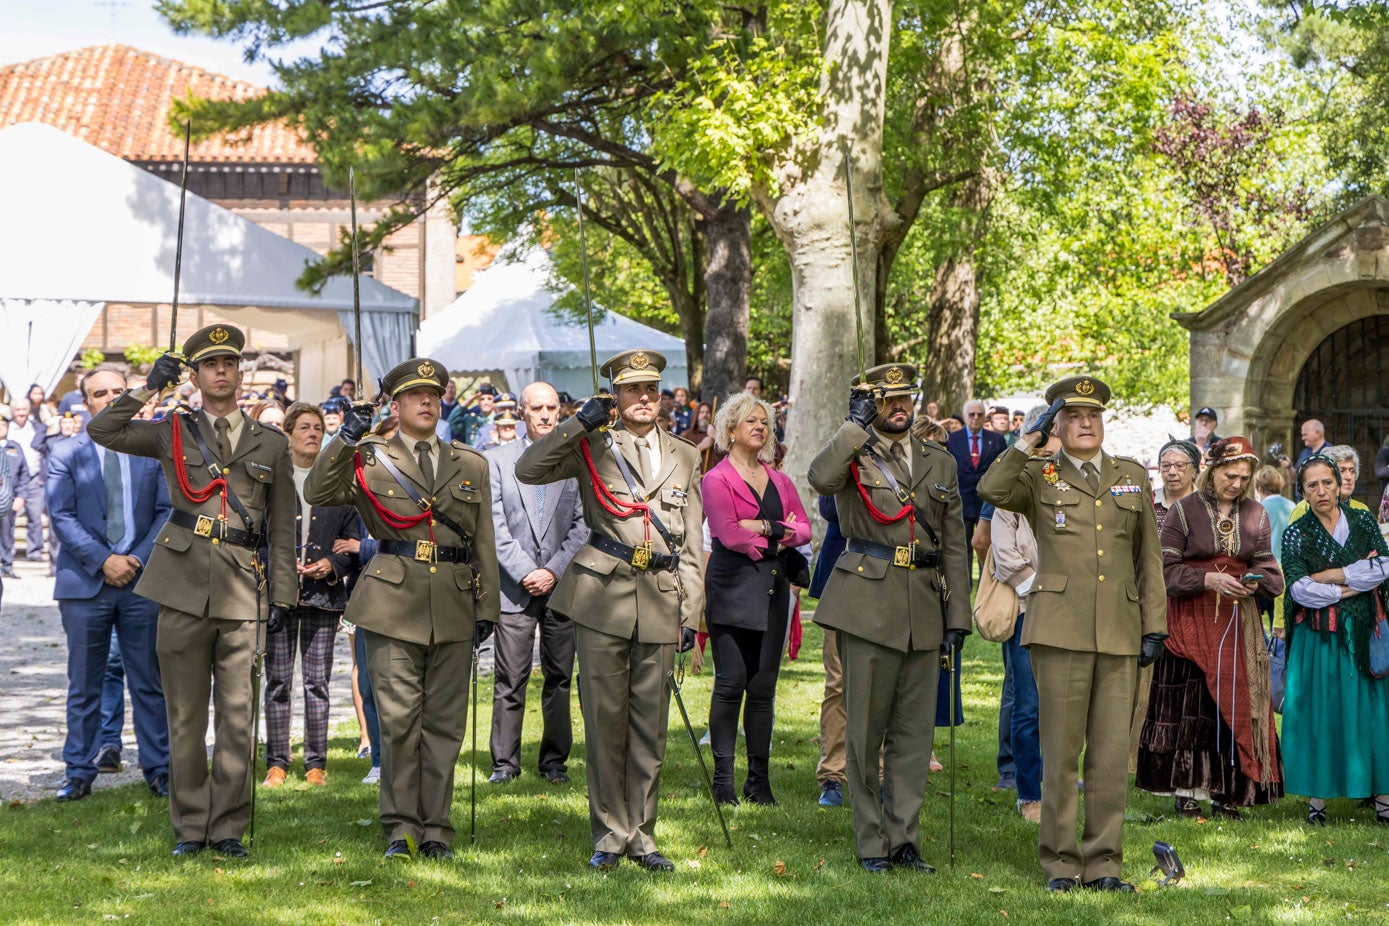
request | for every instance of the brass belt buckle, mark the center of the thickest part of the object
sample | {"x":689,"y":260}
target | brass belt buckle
{"x":203,"y":528}
{"x":641,"y":556}
{"x":905,"y":556}
{"x":424,"y":551}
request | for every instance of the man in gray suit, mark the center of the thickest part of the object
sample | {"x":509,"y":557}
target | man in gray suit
{"x":539,"y":529}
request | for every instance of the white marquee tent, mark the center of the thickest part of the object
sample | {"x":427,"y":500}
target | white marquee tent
{"x":504,"y":324}
{"x":84,"y":228}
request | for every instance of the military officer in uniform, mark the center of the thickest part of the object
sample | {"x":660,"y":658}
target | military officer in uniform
{"x":429,"y":504}
{"x":232,"y":490}
{"x":1097,"y":611}
{"x":898,"y":596}
{"x":634,"y":591}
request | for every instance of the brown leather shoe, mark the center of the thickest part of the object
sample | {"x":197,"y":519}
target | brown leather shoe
{"x":316,"y":777}
{"x":1031,"y":811}
{"x":274,"y":778}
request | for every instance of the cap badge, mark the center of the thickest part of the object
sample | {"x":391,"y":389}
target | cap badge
{"x":894,"y":376}
{"x":640,"y":361}
{"x":1085,"y":387}
{"x":425,"y":369}
{"x":218,"y":335}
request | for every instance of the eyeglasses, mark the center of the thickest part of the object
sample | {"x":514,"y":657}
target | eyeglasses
{"x":1173,"y":467}
{"x":103,"y":393}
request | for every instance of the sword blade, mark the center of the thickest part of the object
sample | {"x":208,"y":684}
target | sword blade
{"x":356,"y":280}
{"x":853,"y":257}
{"x":588,"y":295}
{"x":178,"y":248}
{"x":699,"y":753}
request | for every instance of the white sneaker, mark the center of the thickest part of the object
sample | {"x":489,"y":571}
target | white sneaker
{"x":373,"y":776}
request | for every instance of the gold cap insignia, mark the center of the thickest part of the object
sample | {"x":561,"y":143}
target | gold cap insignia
{"x":425,"y":369}
{"x":1085,"y":387}
{"x":894,"y":376}
{"x":640,"y":361}
{"x":218,"y":335}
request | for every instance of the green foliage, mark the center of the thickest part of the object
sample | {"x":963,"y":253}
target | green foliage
{"x":91,"y":358}
{"x":140,"y":357}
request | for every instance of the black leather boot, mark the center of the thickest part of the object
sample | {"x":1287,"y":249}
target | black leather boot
{"x":758,"y":787}
{"x":723,"y":780}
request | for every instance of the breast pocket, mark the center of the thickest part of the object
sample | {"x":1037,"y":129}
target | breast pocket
{"x":465,"y":501}
{"x":1059,"y":512}
{"x":260,"y":477}
{"x":1128,"y":508}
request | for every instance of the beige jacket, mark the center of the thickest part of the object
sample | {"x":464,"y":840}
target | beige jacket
{"x":1015,"y":552}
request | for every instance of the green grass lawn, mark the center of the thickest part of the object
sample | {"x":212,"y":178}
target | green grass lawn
{"x":317,"y":857}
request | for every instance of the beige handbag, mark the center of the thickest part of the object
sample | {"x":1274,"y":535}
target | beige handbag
{"x":995,"y":604}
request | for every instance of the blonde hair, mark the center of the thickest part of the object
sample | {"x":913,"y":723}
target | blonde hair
{"x":733,"y":410}
{"x":1205,"y":480}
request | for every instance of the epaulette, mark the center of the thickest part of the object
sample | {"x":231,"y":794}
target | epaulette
{"x":271,"y":427}
{"x":459,"y":445}
{"x":1118,"y":458}
{"x":681,"y":438}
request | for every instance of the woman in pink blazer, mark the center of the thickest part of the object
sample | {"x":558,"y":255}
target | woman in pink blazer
{"x":756,"y":520}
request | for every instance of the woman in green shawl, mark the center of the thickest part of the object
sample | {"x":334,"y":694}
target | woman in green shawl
{"x":1335,"y":714}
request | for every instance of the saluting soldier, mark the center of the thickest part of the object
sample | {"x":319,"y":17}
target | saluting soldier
{"x":429,"y":504}
{"x":898,"y":596}
{"x":634,"y":591}
{"x":1096,"y":613}
{"x":232,"y":490}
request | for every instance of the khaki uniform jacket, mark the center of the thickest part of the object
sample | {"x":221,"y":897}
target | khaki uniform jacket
{"x":1099,"y":585}
{"x":195,"y":574}
{"x":869,"y":597}
{"x":600,"y":591}
{"x":398,"y":596}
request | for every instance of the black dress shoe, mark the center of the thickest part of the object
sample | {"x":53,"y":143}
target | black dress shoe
{"x":74,"y":789}
{"x":655,"y":861}
{"x":108,"y":759}
{"x":907,"y":857}
{"x":159,"y":785}
{"x":1109,"y":884}
{"x":1186,"y":807}
{"x":1061,"y":885}
{"x":556,"y":776}
{"x":436,"y":850}
{"x":189,"y":848}
{"x":605,"y":861}
{"x":231,"y":848}
{"x":876,"y":865}
{"x":400,"y":849}
{"x":501,"y":776}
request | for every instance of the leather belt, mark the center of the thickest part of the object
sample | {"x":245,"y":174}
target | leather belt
{"x":639,"y":557}
{"x":217,"y":531}
{"x":424,"y":551}
{"x":908,"y":557}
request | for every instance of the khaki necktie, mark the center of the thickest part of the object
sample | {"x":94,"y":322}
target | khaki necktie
{"x":899,"y":460}
{"x":1092,"y":476}
{"x":426,"y":465}
{"x":222,"y":427}
{"x":643,"y":461}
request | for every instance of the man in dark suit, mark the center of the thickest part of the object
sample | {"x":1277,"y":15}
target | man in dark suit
{"x":19,"y":483}
{"x":974,"y":448}
{"x":106,"y":509}
{"x":539,"y":529}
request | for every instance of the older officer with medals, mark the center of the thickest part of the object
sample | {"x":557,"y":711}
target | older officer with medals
{"x":1096,"y":613}
{"x":429,"y":504}
{"x":898,"y":595}
{"x":635,"y":591}
{"x":232,"y":490}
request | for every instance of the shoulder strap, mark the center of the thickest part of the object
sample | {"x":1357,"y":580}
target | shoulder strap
{"x":655,"y":519}
{"x":216,"y":471}
{"x":418,"y":499}
{"x":902,"y":496}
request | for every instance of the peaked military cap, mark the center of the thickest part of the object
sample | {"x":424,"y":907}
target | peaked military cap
{"x":506,"y":416}
{"x":891,"y":379}
{"x":219,"y":340}
{"x":1082,"y":391}
{"x":634,"y":366}
{"x":417,"y":371}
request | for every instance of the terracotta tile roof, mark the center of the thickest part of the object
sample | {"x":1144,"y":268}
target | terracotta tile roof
{"x":118,"y":98}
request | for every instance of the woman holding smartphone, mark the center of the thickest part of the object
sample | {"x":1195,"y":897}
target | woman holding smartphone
{"x":1209,"y":731}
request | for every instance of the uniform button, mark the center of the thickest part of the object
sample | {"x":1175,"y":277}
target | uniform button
{"x":1099,"y":553}
{"x":1101,"y":578}
{"x":1098,"y":503}
{"x":433,"y":569}
{"x":770,"y":591}
{"x":390,"y":491}
{"x":378,"y":572}
{"x":773,"y":572}
{"x":226,"y":472}
{"x":1099,"y":527}
{"x":432,"y":522}
{"x":860,"y":569}
{"x":215,"y":541}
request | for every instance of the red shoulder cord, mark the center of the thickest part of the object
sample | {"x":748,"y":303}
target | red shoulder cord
{"x":611,"y":503}
{"x":196,"y":496}
{"x":876,"y":513}
{"x":398,"y":521}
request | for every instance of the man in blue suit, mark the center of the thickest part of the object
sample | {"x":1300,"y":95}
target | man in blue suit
{"x":974,"y":448}
{"x":106,"y":509}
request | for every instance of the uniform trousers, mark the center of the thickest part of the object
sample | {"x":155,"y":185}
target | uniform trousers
{"x":422,"y":700}
{"x":201,"y":656}
{"x":889,"y":706}
{"x":513,"y":642}
{"x":626,"y":706}
{"x":831,"y":765}
{"x":1084,"y":702}
{"x":311,"y":632}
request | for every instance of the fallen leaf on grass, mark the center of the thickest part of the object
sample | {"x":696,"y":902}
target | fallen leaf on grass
{"x":1004,"y":913}
{"x":723,"y":905}
{"x":219,"y":871}
{"x":693,"y":864}
{"x":339,"y":861}
{"x":219,"y":858}
{"x":997,"y":890}
{"x":975,"y":874}
{"x":498,"y":904}
{"x":779,"y":867}
{"x":702,"y":852}
{"x":818,"y":865}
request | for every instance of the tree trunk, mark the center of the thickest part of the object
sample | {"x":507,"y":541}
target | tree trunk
{"x":728,"y":289}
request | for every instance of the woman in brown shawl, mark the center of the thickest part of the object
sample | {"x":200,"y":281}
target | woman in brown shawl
{"x":1209,"y":731}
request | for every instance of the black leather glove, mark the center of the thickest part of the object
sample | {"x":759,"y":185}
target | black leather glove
{"x":279,"y":618}
{"x":954,"y":640}
{"x":166,"y":372}
{"x":596,"y":412}
{"x":1153,"y":646}
{"x":1044,"y":423}
{"x":863,"y":406}
{"x":687,"y":639}
{"x":356,"y":422}
{"x":481,"y":631}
